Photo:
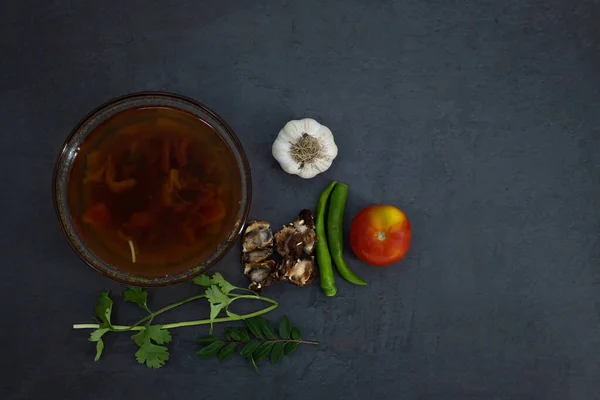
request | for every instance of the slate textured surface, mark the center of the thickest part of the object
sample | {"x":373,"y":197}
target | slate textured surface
{"x":481,"y":119}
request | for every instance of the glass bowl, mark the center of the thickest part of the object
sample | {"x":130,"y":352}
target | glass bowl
{"x":64,"y":166}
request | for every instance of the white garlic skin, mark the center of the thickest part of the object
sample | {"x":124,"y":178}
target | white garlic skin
{"x":290,"y":134}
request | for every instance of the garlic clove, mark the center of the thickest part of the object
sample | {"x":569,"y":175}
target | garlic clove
{"x":281,"y":152}
{"x":315,"y":168}
{"x":324,"y":135}
{"x":311,"y":126}
{"x":309,"y":171}
{"x":292,"y":132}
{"x":330,"y":149}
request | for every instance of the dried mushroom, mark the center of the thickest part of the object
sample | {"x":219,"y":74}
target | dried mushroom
{"x":257,"y":249}
{"x":295,"y":243}
{"x":302,"y":271}
{"x":298,"y":237}
{"x":260,"y":274}
{"x":257,"y":255}
{"x":258,"y":235}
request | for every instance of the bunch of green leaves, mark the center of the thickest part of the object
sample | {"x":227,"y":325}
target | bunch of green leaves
{"x":256,"y":341}
{"x":151,"y":338}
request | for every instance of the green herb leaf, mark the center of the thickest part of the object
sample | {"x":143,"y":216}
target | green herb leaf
{"x":215,"y":310}
{"x":216,"y":295}
{"x":295,"y":334}
{"x":211,"y":349}
{"x":262,"y":351}
{"x":290,"y":347}
{"x":232,"y":314}
{"x":225,"y":286}
{"x":226,"y":352}
{"x":243,"y":334}
{"x":218,"y":301}
{"x":152,"y":355}
{"x":149,"y":353}
{"x":158,"y":334}
{"x":104,"y":306}
{"x":267,"y":329}
{"x":97,"y":334}
{"x":136,"y":295}
{"x":277,"y":352}
{"x":203,"y":280}
{"x":253,"y":363}
{"x":99,"y":348}
{"x":249,"y":348}
{"x":154,"y":332}
{"x":206,"y":339}
{"x":285,"y":328}
{"x":255,"y":327}
{"x":232,"y":334}
{"x":139,"y":338}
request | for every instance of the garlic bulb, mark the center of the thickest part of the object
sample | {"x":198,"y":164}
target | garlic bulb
{"x":304,"y":148}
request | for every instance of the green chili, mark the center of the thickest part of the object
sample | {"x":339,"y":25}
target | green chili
{"x":335,"y":233}
{"x":323,"y":256}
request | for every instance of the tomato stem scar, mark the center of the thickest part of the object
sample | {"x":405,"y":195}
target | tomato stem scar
{"x":381,"y":236}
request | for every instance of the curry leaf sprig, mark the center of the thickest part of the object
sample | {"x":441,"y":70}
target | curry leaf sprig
{"x":151,"y":338}
{"x":256,"y":341}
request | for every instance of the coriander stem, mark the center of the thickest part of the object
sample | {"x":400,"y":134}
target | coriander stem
{"x":86,"y":326}
{"x":180,"y":303}
{"x":146,"y":318}
{"x":136,"y":326}
{"x":223,"y":319}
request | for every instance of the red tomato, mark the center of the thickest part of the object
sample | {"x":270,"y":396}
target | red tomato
{"x":380,"y":235}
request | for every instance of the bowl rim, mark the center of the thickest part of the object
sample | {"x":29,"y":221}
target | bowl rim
{"x":224,"y":248}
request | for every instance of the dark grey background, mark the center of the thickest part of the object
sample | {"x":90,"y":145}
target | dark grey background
{"x":481,"y":119}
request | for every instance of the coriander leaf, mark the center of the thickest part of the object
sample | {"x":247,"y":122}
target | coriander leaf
{"x":232,"y":314}
{"x":206,"y":339}
{"x":290,"y":347}
{"x":277,"y":352}
{"x":267,"y":329}
{"x":139,"y":338}
{"x":99,"y":348}
{"x":249,"y":348}
{"x":215,"y":309}
{"x":152,"y":332}
{"x":254,"y":326}
{"x":97,"y":334}
{"x":225,"y":286}
{"x":226,"y":352}
{"x":262,"y":351}
{"x":216,"y":296}
{"x":136,"y":295}
{"x":203,"y":280}
{"x":104,"y":306}
{"x":152,"y":355}
{"x":158,"y":334}
{"x":295,"y":334}
{"x":285,"y":327}
{"x":218,"y":301}
{"x":211,"y":349}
